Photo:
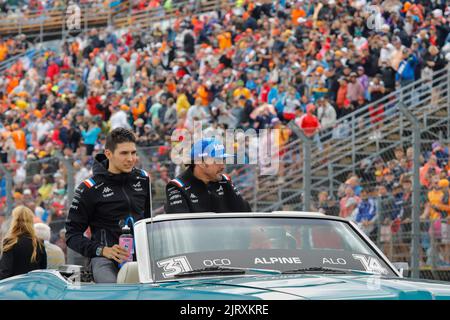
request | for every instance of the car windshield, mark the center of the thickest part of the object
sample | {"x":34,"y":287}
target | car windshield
{"x":283,"y":244}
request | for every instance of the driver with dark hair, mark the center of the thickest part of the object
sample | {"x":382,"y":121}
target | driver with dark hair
{"x":203,"y":187}
{"x":117,"y":192}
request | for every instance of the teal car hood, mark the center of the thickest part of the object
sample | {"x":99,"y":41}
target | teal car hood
{"x":318,"y":287}
{"x":43,"y":285}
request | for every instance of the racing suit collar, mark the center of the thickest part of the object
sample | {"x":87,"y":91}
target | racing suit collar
{"x":189,"y":176}
{"x":101,"y":165}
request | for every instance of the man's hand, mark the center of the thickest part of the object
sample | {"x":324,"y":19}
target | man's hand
{"x":116,"y":253}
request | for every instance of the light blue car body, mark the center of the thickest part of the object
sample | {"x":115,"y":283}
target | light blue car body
{"x":51,"y":285}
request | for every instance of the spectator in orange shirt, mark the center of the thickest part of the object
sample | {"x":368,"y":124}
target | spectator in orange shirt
{"x":3,"y":50}
{"x":18,"y":136}
{"x":13,"y":82}
{"x":203,"y":94}
{"x":341,"y":96}
{"x":424,"y":171}
{"x":297,"y":13}
{"x":224,"y":40}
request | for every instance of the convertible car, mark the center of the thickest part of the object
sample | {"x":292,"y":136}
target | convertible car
{"x":279,"y":255}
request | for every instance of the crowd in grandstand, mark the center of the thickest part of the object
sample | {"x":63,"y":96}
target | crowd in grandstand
{"x":249,"y":66}
{"x":379,"y":200}
{"x":13,"y":8}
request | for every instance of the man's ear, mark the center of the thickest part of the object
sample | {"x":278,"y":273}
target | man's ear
{"x":108,"y":153}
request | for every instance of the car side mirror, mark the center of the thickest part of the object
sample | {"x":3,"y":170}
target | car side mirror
{"x":401,"y":267}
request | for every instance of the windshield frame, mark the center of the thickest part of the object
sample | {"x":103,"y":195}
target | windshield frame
{"x":144,"y":256}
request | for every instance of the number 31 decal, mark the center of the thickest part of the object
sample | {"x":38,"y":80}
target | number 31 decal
{"x":173,"y":266}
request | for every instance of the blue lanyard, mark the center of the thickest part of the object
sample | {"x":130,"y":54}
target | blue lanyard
{"x":128,"y":219}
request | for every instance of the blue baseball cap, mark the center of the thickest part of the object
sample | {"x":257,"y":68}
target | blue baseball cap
{"x":209,"y":148}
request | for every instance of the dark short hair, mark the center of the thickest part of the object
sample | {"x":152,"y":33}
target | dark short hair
{"x":119,"y":135}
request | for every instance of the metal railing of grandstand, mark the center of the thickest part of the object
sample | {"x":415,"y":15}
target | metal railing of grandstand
{"x":338,"y":154}
{"x":53,"y":23}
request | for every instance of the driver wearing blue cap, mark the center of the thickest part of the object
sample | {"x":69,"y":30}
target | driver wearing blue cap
{"x":203,"y":187}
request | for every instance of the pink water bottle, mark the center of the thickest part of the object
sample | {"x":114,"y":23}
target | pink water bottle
{"x":126,"y":242}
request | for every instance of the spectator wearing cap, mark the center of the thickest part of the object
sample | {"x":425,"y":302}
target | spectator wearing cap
{"x":55,"y":255}
{"x":366,"y":217}
{"x":406,"y":69}
{"x":354,"y":89}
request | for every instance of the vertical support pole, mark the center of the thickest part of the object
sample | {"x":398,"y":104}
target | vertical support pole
{"x":330,"y":179}
{"x":255,"y":191}
{"x":306,"y":164}
{"x":109,"y":16}
{"x":8,"y":186}
{"x":307,"y":174}
{"x":415,"y":241}
{"x":86,"y":16}
{"x":63,"y":24}
{"x":448,"y":104}
{"x":41,"y":30}
{"x":353,"y":124}
{"x":379,"y":221}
